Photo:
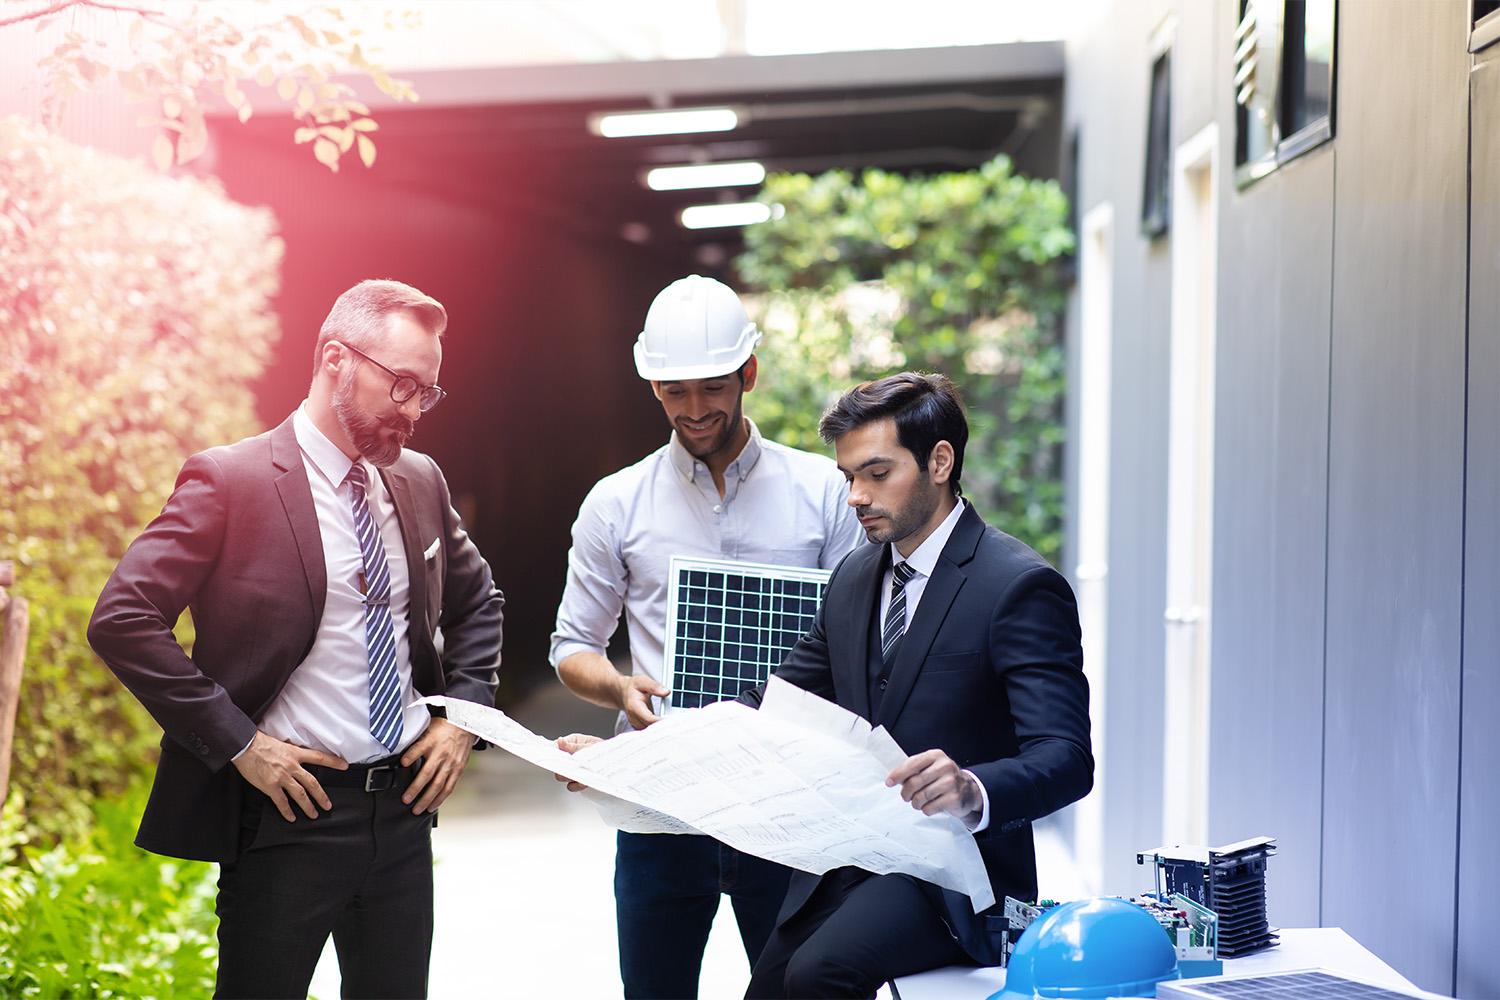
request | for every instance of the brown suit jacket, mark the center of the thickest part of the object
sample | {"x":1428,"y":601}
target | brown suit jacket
{"x":238,"y":543}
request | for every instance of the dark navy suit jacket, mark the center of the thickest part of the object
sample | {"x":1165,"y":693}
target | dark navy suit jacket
{"x":990,"y":672}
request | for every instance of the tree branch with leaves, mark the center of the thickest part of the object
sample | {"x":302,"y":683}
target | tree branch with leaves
{"x":183,"y":61}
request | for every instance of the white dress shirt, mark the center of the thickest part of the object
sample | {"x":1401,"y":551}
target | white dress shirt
{"x":325,"y":704}
{"x":780,"y":506}
{"x":923,"y":561}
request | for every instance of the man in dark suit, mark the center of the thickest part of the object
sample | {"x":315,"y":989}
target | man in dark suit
{"x":319,"y":559}
{"x":964,"y":644}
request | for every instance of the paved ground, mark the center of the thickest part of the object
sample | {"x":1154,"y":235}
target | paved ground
{"x":524,"y":883}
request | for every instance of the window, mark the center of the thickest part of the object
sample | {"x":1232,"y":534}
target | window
{"x":1485,"y":17}
{"x":1156,"y":202}
{"x":1068,"y":180}
{"x":1283,"y":82}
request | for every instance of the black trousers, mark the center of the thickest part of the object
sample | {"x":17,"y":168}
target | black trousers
{"x":361,"y":872}
{"x":855,"y":932}
{"x":667,"y":890}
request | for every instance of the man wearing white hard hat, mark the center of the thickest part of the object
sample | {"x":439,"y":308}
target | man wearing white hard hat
{"x":716,"y":489}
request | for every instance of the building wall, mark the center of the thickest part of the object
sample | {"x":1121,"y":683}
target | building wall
{"x":1478,"y":971}
{"x":1356,"y":479}
{"x":1395,"y":483}
{"x":1108,"y":72}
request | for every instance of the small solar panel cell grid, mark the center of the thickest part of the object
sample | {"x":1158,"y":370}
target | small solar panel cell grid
{"x":1287,"y":986}
{"x":731,"y":624}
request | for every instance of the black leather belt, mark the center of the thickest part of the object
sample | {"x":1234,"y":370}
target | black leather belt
{"x":375,"y":776}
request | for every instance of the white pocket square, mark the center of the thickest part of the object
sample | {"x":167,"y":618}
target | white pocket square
{"x":431,"y":550}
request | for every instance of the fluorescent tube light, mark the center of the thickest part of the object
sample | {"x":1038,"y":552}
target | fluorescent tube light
{"x":744,"y":213}
{"x":677,"y":122}
{"x":705,"y":175}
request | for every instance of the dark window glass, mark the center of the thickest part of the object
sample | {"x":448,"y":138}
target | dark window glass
{"x":1307,"y":68}
{"x":1069,"y":180}
{"x":1156,"y":202}
{"x":1283,"y":81}
{"x":1486,"y":22}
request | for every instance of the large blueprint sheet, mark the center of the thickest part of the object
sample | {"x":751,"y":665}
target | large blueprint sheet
{"x":800,"y":782}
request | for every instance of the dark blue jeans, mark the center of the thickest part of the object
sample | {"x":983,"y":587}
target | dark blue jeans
{"x":667,"y":890}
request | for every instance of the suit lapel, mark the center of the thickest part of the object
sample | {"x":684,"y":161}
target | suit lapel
{"x":297,"y":501}
{"x":937,"y":598}
{"x":851,"y":672}
{"x":411,"y":541}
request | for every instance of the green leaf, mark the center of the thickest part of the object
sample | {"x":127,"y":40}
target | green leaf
{"x":327,"y":153}
{"x":966,"y":260}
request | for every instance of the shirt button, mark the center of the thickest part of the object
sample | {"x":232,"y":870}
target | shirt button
{"x":718,"y":508}
{"x":882,"y":685}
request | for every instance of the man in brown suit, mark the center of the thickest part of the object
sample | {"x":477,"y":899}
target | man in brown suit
{"x":319,"y":560}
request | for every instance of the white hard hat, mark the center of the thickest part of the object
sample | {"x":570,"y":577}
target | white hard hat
{"x":695,"y":328}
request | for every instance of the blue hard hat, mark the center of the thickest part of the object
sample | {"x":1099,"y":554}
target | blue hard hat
{"x":1090,"y":948}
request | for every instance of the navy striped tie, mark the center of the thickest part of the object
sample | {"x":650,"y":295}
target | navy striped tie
{"x":895,"y":618}
{"x":380,"y":638}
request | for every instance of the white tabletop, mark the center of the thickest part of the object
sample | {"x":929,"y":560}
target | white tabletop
{"x":1301,"y":948}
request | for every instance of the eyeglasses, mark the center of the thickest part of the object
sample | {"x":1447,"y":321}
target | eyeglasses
{"x":405,"y":387}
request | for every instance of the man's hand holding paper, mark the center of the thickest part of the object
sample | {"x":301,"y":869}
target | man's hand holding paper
{"x":801,"y":782}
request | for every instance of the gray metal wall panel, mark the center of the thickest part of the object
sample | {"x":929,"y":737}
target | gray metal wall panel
{"x":1270,"y":479}
{"x":1395,"y":484}
{"x":1107,"y":98}
{"x":1479,"y":795}
{"x":1137,"y":560}
{"x":1195,"y":90}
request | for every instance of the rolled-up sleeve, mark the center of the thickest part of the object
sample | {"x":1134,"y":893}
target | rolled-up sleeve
{"x":597,"y":580}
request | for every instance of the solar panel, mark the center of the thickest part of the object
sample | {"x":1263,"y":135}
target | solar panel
{"x":729,"y":624}
{"x":1303,"y":985}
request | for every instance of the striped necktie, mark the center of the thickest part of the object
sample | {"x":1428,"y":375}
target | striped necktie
{"x":895,"y":618}
{"x":380,"y":639}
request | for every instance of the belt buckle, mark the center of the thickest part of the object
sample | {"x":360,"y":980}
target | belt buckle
{"x":386,"y":771}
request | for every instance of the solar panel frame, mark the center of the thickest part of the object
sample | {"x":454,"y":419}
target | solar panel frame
{"x":744,"y":616}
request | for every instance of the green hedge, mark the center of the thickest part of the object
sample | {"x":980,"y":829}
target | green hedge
{"x":956,"y":273}
{"x":134,"y":316}
{"x":97,"y":917}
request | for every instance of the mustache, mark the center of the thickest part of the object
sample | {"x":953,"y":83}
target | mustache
{"x":400,"y":423}
{"x":870,"y":512}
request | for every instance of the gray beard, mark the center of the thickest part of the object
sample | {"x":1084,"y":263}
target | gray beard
{"x":363,"y":429}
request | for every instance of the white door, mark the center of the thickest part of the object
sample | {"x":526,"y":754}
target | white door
{"x":1096,"y":292}
{"x":1190,"y":489}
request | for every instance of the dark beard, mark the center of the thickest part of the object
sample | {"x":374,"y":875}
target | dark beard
{"x":364,"y":428}
{"x":906,"y":519}
{"x":725,"y":436}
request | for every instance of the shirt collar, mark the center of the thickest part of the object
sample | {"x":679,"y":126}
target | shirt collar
{"x":328,"y":458}
{"x":687,"y":466}
{"x":924,"y":559}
